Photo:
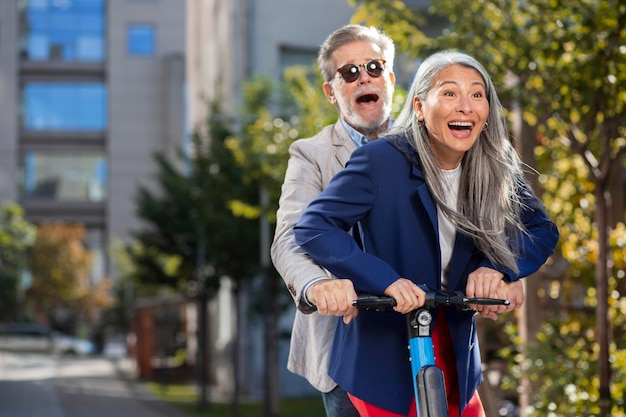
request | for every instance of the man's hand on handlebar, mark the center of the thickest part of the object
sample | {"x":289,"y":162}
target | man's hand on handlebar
{"x":408,"y":296}
{"x":333,"y":297}
{"x":486,"y":282}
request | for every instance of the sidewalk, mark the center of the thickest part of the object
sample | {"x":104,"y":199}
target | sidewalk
{"x":126,"y":371}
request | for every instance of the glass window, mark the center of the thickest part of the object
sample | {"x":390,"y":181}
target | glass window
{"x":66,"y":30}
{"x":141,"y":39}
{"x":95,"y":243}
{"x":64,"y":106}
{"x":290,"y":56}
{"x":62,"y":176}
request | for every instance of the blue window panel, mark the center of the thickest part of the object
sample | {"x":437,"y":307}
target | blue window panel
{"x":59,"y":21}
{"x":65,"y":24}
{"x":89,"y":48}
{"x":66,"y":96}
{"x":92,"y":25}
{"x":30,"y":168}
{"x":38,"y":47}
{"x":36,"y":21}
{"x":94,"y":111}
{"x":101,"y":172}
{"x":38,"y":4}
{"x":141,"y":40}
{"x":64,"y":106}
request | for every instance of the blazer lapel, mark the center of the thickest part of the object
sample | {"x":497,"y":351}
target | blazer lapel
{"x":425,"y":198}
{"x":342,"y":143}
{"x":462,"y":252}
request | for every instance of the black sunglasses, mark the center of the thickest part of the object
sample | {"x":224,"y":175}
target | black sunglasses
{"x":351,"y":72}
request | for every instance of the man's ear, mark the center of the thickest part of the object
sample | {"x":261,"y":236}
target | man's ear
{"x":329,"y":92}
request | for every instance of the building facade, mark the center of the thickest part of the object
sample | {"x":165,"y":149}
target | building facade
{"x":90,"y":89}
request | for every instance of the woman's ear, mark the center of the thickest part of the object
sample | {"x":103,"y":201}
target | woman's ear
{"x":417,"y":107}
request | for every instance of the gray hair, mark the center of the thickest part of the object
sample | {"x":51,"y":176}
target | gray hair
{"x":492,"y":182}
{"x":352,"y":33}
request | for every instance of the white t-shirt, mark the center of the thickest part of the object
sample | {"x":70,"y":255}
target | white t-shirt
{"x":447,"y":231}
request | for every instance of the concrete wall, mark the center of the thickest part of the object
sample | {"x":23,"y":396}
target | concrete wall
{"x":8,"y":98}
{"x":142,"y":93}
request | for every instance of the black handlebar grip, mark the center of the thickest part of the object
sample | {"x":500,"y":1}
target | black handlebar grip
{"x":370,"y":301}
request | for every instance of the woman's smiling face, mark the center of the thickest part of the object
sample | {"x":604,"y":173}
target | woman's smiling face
{"x":455,"y":111}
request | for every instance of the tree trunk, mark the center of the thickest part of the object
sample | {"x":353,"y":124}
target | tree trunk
{"x":271,"y":349}
{"x":489,"y":395}
{"x":271,"y":403}
{"x":602,"y":291}
{"x":236,"y":355}
{"x":529,"y":316}
{"x":203,"y":319}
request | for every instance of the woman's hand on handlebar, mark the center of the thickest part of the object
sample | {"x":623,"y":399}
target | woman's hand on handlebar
{"x":487,"y":282}
{"x":408,"y":296}
{"x":333,"y":297}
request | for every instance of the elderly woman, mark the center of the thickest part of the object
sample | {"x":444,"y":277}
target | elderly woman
{"x":441,"y":201}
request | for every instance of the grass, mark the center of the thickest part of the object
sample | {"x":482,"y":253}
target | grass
{"x":185,"y":398}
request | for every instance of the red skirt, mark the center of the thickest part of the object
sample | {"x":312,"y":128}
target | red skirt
{"x":444,"y":359}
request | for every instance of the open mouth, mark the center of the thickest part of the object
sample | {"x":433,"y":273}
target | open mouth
{"x":367,"y":98}
{"x":462,"y":126}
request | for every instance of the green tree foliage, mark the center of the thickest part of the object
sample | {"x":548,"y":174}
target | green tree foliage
{"x":274,"y":115}
{"x":191,"y":210}
{"x":16,"y":237}
{"x":563,"y":64}
{"x":61,"y":292}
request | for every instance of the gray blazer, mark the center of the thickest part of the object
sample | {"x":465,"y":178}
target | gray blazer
{"x":312,"y":164}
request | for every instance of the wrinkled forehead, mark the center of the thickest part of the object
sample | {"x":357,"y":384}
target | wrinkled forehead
{"x":356,"y":52}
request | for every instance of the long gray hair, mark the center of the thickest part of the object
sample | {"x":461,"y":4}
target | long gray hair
{"x":352,"y":33}
{"x":492,"y":182}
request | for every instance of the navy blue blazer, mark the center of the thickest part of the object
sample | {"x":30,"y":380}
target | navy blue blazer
{"x":387,"y":194}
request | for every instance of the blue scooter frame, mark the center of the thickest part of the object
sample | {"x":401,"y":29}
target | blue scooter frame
{"x":428,"y":381}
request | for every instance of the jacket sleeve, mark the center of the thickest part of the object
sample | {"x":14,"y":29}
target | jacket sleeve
{"x":323,"y":229}
{"x":302,"y":183}
{"x":538,"y":243}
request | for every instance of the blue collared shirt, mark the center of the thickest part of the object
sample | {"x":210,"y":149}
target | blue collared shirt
{"x":357,"y":137}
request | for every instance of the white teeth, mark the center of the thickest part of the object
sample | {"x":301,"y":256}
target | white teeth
{"x":461,"y":124}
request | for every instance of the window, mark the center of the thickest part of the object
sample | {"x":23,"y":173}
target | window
{"x":65,"y":30}
{"x":141,"y":39}
{"x":63,"y":176}
{"x":64,"y":106}
{"x":95,"y":243}
{"x":290,"y":56}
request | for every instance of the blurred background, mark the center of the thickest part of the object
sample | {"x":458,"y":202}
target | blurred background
{"x":142,"y":148}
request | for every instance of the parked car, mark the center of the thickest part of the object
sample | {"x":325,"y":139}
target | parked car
{"x":64,"y":344}
{"x":115,"y":349}
{"x":25,"y":337}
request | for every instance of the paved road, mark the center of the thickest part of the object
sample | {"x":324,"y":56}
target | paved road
{"x":37,"y":385}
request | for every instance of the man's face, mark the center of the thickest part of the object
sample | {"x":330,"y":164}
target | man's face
{"x":364,"y":104}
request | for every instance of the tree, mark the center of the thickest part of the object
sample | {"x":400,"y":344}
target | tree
{"x":273,"y":115}
{"x":196,"y":230}
{"x":61,"y":292}
{"x":195,"y":201}
{"x":563,"y":64}
{"x":16,"y":238}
